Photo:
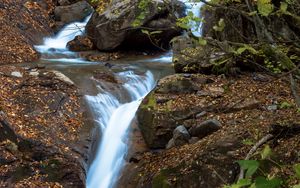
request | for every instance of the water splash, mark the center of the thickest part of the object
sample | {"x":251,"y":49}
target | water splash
{"x":114,"y":119}
{"x":59,"y":42}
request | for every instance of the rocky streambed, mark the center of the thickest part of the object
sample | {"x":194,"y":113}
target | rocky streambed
{"x":189,"y":131}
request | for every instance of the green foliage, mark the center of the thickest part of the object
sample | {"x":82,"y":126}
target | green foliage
{"x":265,"y":7}
{"x":142,"y":6}
{"x":285,"y":105}
{"x":246,"y":47}
{"x":250,"y":166}
{"x":297,"y":170}
{"x":266,"y":152}
{"x":248,"y":142}
{"x":220,"y":26}
{"x":189,"y":22}
{"x":262,"y":182}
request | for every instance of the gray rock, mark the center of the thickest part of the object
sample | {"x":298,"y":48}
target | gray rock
{"x":72,"y":13}
{"x":120,"y":24}
{"x":272,"y":107}
{"x":193,"y":140}
{"x":181,"y":136}
{"x":205,"y":128}
{"x":17,"y":74}
{"x":170,"y":144}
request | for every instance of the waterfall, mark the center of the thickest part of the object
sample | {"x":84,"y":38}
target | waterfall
{"x":115,"y":119}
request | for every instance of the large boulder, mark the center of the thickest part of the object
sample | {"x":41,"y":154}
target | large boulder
{"x":74,"y":12}
{"x":122,"y":22}
{"x":160,"y":112}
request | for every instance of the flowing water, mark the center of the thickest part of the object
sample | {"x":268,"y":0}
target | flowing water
{"x":112,"y":109}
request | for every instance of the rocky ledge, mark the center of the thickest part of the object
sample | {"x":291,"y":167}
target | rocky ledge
{"x":196,"y":127}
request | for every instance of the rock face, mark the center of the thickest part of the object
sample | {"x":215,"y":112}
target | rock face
{"x":80,"y":43}
{"x":121,"y":23}
{"x":158,"y":123}
{"x":205,"y":128}
{"x":74,"y":12}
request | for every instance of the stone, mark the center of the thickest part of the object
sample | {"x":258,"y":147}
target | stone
{"x":72,"y":13}
{"x":62,"y":77}
{"x":176,"y":84}
{"x":80,"y":43}
{"x":181,"y":136}
{"x":17,"y":74}
{"x":120,"y":24}
{"x":247,"y":104}
{"x":272,"y":107}
{"x":170,"y":144}
{"x":193,"y":140}
{"x":205,"y":128}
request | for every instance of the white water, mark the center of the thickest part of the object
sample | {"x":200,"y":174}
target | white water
{"x":115,"y":119}
{"x":59,"y":42}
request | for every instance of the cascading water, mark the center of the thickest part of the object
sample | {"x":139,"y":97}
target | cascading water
{"x":113,"y":115}
{"x":115,"y":120}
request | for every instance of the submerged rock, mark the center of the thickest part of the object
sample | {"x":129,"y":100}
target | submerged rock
{"x":121,"y":23}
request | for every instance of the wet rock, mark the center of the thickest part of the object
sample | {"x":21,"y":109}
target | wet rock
{"x":205,"y":128}
{"x":80,"y":43}
{"x":120,"y":24}
{"x":74,"y":12}
{"x":17,"y":74}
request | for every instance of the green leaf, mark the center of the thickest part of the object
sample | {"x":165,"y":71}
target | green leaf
{"x":202,"y":41}
{"x":265,"y":7}
{"x":283,"y":7}
{"x":285,"y":105}
{"x":155,"y":32}
{"x":250,"y":166}
{"x":241,"y":183}
{"x":240,"y":50}
{"x":266,"y":152}
{"x":252,"y":13}
{"x":220,"y":26}
{"x":145,"y":32}
{"x":297,"y":170}
{"x":296,"y":186}
{"x":261,"y":182}
{"x":248,"y":142}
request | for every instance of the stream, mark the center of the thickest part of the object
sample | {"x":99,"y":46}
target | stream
{"x":113,"y":106}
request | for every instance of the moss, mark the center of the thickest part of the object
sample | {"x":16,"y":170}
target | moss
{"x":52,"y":168}
{"x":149,"y":102}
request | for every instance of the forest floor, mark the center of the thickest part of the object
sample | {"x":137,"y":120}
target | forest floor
{"x":41,"y":112}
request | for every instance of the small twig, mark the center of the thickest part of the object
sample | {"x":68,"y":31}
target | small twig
{"x":295,"y":90}
{"x":253,"y":150}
